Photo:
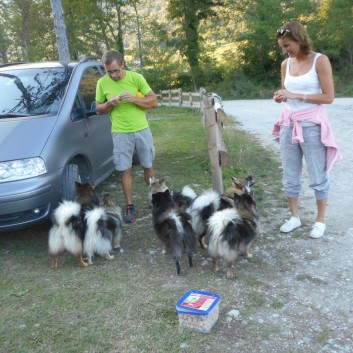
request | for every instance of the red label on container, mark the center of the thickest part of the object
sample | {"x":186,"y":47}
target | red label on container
{"x":198,"y":301}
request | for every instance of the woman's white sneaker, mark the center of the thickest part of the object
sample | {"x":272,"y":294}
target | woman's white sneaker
{"x":291,"y":224}
{"x":318,"y":230}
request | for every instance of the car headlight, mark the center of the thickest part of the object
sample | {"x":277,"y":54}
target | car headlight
{"x":21,"y":169}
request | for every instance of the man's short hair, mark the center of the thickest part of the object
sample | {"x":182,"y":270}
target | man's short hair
{"x":112,"y":55}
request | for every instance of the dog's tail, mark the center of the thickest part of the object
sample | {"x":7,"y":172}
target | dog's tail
{"x":187,"y":191}
{"x":98,"y":237}
{"x":207,"y":198}
{"x":219,"y":230}
{"x":189,"y":238}
{"x":65,"y":212}
{"x":62,"y":233}
{"x":202,"y":208}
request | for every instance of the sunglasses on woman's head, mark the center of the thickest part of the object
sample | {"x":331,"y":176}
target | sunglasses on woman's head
{"x":282,"y":32}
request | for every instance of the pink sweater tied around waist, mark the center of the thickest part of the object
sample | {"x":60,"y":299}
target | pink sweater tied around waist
{"x":316,"y":115}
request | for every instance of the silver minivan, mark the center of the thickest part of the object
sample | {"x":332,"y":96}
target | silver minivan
{"x":50,"y":136}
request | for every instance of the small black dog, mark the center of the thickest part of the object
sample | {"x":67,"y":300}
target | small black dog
{"x":173,"y":227}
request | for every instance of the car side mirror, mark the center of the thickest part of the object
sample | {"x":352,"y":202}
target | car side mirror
{"x":92,"y":110}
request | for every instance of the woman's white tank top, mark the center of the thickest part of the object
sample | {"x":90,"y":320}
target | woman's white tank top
{"x":308,"y":83}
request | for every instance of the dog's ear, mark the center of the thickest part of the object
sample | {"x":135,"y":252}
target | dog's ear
{"x":162,"y":182}
{"x":167,"y":192}
{"x":237,"y":184}
{"x":152,"y":180}
{"x":250,"y":181}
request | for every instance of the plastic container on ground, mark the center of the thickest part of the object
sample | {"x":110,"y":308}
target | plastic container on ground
{"x":198,"y":310}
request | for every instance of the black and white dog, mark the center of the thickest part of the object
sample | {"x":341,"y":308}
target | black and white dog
{"x":232,"y":230}
{"x":172,"y":227}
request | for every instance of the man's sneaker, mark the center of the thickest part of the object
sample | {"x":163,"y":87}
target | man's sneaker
{"x":129,"y":216}
{"x":318,"y":230}
{"x":291,"y":224}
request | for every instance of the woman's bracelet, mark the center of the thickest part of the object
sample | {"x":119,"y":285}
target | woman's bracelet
{"x":305,"y":97}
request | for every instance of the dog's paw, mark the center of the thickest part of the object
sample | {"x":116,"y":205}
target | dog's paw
{"x":230,"y":275}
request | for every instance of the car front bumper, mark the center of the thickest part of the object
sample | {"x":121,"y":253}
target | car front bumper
{"x":27,"y":202}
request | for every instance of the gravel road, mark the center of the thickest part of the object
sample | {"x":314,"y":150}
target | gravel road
{"x":325,"y":298}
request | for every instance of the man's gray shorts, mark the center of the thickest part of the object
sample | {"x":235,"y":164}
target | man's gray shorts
{"x":125,"y":145}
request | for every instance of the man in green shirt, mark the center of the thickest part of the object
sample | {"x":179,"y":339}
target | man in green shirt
{"x":126,"y":95}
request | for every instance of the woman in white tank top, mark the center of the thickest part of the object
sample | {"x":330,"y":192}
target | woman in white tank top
{"x":307,"y":83}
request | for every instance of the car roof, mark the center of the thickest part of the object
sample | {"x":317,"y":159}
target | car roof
{"x":37,"y":65}
{"x":46,"y":64}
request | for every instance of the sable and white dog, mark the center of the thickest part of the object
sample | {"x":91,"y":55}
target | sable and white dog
{"x":98,"y":238}
{"x":172,"y":227}
{"x":67,"y":232}
{"x":232,"y":230}
{"x":114,"y":219}
{"x":239,"y":186}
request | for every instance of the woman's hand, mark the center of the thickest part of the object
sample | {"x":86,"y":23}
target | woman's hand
{"x":281,"y":95}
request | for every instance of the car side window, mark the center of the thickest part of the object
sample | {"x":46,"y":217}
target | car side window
{"x":87,"y":89}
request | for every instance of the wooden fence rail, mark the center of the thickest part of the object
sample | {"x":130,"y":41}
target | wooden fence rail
{"x":176,"y":97}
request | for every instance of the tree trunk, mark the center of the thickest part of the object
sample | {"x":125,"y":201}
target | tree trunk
{"x":139,"y":37}
{"x":60,"y":30}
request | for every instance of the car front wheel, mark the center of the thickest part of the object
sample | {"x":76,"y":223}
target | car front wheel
{"x":70,"y":176}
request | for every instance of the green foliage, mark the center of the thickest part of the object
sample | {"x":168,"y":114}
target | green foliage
{"x":189,"y":13}
{"x":25,"y":37}
{"x":226,"y":46}
{"x":332,"y":38}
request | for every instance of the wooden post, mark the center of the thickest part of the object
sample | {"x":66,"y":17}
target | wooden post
{"x":213,"y":136}
{"x":216,"y":147}
{"x":203,"y":102}
{"x":180,"y":96}
{"x":170,"y":97}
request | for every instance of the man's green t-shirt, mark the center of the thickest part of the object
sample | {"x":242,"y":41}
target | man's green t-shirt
{"x":126,"y":117}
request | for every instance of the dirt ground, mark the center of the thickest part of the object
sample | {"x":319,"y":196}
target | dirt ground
{"x":319,"y":278}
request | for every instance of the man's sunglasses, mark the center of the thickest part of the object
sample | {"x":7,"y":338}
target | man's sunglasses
{"x":282,"y":32}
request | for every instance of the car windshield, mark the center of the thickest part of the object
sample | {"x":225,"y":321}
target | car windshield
{"x":27,"y":92}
